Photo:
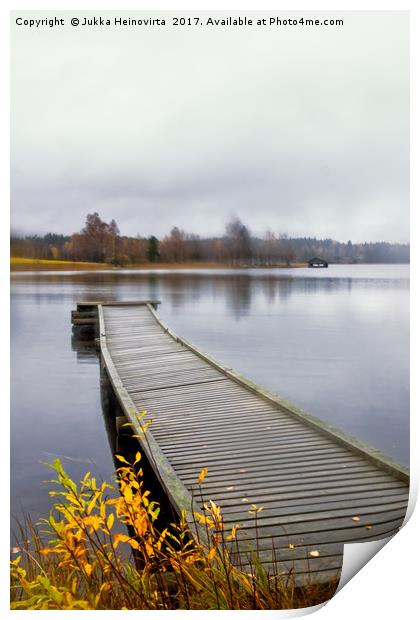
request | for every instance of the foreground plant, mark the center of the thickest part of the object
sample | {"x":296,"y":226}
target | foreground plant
{"x":103,"y":551}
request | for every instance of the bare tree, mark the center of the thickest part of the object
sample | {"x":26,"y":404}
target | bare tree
{"x":286,"y":251}
{"x":238,"y":241}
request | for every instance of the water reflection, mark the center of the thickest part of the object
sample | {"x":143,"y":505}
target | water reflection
{"x":85,"y":348}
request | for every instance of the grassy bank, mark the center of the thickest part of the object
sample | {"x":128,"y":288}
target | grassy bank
{"x":101,"y":549}
{"x":32,"y":264}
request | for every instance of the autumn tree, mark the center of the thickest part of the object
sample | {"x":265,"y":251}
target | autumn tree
{"x":132,"y":250}
{"x":94,"y":237}
{"x":172,"y":247}
{"x":96,"y":242}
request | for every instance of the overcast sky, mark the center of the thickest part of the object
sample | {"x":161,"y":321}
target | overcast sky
{"x":301,"y":129}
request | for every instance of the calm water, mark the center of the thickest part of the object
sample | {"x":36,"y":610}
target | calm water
{"x":335,"y":342}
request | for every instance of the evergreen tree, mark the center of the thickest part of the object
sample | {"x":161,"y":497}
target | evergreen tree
{"x":153,"y":254}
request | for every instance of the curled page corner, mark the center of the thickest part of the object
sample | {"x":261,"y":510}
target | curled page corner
{"x":412,"y":500}
{"x":356,"y":555}
{"x":291,"y":613}
{"x":301,"y":611}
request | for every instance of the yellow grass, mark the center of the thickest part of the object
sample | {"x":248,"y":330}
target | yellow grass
{"x":33,"y":264}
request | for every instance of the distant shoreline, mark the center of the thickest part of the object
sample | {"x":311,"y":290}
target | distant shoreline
{"x":33,"y":264}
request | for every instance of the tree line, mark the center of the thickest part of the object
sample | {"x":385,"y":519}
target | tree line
{"x":101,"y":242}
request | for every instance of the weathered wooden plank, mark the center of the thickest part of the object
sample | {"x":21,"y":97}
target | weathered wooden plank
{"x":266,"y":497}
{"x":84,"y":321}
{"x":352,"y":499}
{"x":180,"y":452}
{"x":235,"y":461}
{"x":221,"y":424}
{"x":165,"y":380}
{"x":261,"y":472}
{"x":257,"y":475}
{"x":220,"y":415}
{"x":190,"y":458}
{"x":309,"y":566}
{"x":88,"y":314}
{"x":279,"y":428}
{"x":257,"y":494}
{"x":331,"y":516}
{"x":311,"y":534}
{"x":179,"y":381}
{"x":307,"y":463}
{"x":83,"y":304}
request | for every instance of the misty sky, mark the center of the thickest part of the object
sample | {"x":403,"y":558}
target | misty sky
{"x":305,"y":130}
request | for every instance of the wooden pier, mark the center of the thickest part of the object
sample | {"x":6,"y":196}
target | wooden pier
{"x":318,"y":487}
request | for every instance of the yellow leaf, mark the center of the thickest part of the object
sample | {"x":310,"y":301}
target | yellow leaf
{"x":232,"y":535}
{"x":128,"y":495}
{"x":140,"y":524}
{"x":122,"y":459}
{"x":291,"y":546}
{"x":110,"y":521}
{"x":120,"y":538}
{"x":133,"y":543}
{"x":72,"y":499}
{"x":355,"y":518}
{"x":215,"y":509}
{"x":92,"y":503}
{"x":203,"y":519}
{"x":94,"y":521}
{"x":47,"y":550}
{"x":88,"y":569}
{"x":368,"y":527}
{"x":202,"y":475}
{"x":314,"y":554}
{"x":211,"y":553}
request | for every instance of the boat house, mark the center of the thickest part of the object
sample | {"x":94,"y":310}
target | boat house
{"x":317,"y":262}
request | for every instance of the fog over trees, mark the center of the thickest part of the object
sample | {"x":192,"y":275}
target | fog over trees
{"x":99,"y":241}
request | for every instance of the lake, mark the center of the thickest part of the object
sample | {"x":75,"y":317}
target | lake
{"x":333,"y":341}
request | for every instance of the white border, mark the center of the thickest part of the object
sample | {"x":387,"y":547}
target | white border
{"x":386,"y":586}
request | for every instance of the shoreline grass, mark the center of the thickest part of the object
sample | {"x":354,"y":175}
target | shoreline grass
{"x":79,"y":557}
{"x":33,"y":264}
